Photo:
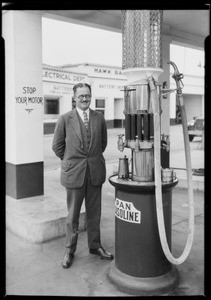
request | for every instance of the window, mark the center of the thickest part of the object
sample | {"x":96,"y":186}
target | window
{"x":100,"y":105}
{"x":52,"y":106}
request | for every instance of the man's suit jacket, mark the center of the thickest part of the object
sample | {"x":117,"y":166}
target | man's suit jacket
{"x":68,"y":146}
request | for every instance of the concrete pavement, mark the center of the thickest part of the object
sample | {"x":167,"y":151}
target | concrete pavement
{"x":33,"y":265}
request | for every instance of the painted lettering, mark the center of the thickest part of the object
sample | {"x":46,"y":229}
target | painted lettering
{"x":121,"y":205}
{"x":29,"y":90}
{"x":136,"y":217}
{"x":117,"y":72}
{"x":21,"y":100}
{"x":127,"y":212}
{"x":35,"y":100}
{"x":29,"y":100}
{"x":104,"y":71}
{"x":78,"y":78}
{"x":45,"y":74}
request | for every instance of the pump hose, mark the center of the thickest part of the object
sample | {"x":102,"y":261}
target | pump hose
{"x":158,"y":188}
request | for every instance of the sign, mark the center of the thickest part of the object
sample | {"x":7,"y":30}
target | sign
{"x":63,"y":77}
{"x":29,"y":97}
{"x":126,"y":211}
{"x":107,"y":71}
{"x":110,"y":86}
{"x":61,"y":89}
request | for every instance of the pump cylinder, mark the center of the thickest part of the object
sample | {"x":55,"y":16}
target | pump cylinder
{"x":138,"y":112}
{"x":139,"y":127}
{"x":138,"y":252}
{"x":133,"y":127}
{"x":143,"y":165}
{"x":127,"y":127}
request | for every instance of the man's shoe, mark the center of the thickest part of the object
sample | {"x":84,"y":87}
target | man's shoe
{"x":67,"y":260}
{"x":102,"y":253}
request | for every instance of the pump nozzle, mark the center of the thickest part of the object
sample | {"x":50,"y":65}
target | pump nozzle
{"x":177,"y":76}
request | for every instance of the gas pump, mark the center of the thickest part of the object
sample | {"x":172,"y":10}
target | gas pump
{"x":143,"y":197}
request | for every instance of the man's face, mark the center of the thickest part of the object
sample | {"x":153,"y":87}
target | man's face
{"x":83,"y":97}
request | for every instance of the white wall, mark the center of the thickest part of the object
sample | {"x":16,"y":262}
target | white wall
{"x":107,"y":89}
{"x":193,"y":106}
{"x":119,"y":108}
{"x":23,"y":64}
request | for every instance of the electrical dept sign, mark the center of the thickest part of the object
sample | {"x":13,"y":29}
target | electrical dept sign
{"x":126,"y":211}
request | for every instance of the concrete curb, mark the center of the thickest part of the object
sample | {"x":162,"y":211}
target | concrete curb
{"x":41,"y":221}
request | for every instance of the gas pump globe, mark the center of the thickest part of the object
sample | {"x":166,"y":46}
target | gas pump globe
{"x":143,"y":197}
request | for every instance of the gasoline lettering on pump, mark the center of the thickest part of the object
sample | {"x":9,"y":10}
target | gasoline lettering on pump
{"x":126,"y":211}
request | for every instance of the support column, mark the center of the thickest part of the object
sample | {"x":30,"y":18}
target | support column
{"x":24,"y":103}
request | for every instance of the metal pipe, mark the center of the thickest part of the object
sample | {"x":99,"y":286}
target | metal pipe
{"x":151,"y":126}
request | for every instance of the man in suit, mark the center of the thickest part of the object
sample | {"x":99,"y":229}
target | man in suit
{"x":79,"y":141}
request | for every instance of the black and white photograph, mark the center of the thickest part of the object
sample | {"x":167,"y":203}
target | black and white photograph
{"x":104,"y":150}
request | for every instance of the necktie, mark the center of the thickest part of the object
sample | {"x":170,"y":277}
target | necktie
{"x":86,"y":122}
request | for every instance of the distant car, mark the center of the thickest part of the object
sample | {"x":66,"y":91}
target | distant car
{"x":195,"y":127}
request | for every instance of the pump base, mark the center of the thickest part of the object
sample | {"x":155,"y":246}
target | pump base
{"x":143,"y":286}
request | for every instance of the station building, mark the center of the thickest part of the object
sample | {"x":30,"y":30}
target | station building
{"x":107,"y":84}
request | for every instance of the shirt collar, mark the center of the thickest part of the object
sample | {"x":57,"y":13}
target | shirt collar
{"x":80,"y":111}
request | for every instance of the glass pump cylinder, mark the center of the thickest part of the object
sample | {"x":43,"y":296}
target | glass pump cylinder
{"x":139,"y":130}
{"x":139,"y":113}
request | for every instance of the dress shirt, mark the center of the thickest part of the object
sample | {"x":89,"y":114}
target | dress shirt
{"x":80,"y":111}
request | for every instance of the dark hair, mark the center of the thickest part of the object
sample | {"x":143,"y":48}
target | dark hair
{"x":80,"y":85}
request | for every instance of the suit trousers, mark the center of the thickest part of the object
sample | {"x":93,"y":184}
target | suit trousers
{"x":75,"y":197}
